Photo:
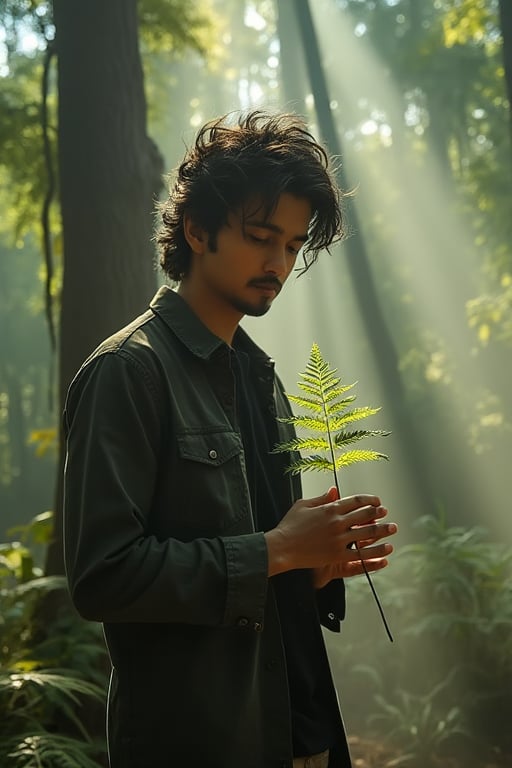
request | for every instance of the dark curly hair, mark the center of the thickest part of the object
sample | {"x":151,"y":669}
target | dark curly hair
{"x":258,"y":157}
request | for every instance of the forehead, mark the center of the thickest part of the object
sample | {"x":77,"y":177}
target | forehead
{"x":286,"y":209}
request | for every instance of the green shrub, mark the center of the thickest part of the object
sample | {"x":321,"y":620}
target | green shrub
{"x":47,"y":663}
{"x":446,"y":684}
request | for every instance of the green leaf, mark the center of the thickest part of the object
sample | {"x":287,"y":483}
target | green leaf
{"x":345,"y":438}
{"x":353,"y":457}
{"x":309,"y":463}
{"x":306,"y":422}
{"x":306,"y":402}
{"x":304,"y":444}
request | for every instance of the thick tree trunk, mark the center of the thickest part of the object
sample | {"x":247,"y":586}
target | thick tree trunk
{"x":109,"y":173}
{"x":366,"y":294}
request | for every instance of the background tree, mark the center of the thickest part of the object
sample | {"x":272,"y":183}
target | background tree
{"x":109,"y":173}
{"x":506,"y":31}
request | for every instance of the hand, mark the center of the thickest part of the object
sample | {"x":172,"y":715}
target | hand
{"x":317,"y":533}
{"x":374,"y":557}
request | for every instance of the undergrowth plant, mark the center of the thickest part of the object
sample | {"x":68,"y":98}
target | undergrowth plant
{"x":448,"y":692}
{"x":328,"y":419}
{"x":45,"y":676}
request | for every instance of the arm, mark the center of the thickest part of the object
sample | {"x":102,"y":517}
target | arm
{"x":118,"y":570}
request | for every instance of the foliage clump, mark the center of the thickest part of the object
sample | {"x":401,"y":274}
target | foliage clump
{"x":50,"y":665}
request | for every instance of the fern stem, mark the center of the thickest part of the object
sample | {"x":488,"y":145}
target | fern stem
{"x":338,"y":488}
{"x":375,"y":595}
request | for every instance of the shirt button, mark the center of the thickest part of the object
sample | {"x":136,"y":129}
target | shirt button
{"x":331,"y":616}
{"x":212,"y":454}
{"x":257,"y":626}
{"x":242,"y":622}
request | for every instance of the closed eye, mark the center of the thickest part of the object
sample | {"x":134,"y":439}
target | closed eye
{"x":256,"y":239}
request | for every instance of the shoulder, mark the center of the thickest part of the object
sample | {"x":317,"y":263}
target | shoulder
{"x":127,"y":360}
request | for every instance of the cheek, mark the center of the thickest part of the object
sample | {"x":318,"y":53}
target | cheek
{"x":290,"y":264}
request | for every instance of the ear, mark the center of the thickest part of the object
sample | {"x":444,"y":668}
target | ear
{"x":195,"y":235}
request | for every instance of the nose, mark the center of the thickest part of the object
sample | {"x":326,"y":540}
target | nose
{"x":276,"y":262}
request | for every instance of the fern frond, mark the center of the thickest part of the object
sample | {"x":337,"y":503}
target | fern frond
{"x":338,"y":422}
{"x":310,"y":385}
{"x":303,"y":444}
{"x":352,"y":457}
{"x":345,"y":438}
{"x":306,"y":402}
{"x":338,"y":392}
{"x":306,"y":422}
{"x":318,"y":381}
{"x":59,"y":680}
{"x":309,"y":463}
{"x":43,"y":748}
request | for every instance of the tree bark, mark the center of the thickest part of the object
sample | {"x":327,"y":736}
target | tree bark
{"x":109,"y":172}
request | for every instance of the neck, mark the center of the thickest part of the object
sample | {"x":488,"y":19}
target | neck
{"x":219,"y":319}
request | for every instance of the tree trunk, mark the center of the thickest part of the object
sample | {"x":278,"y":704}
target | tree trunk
{"x":506,"y":31}
{"x":109,"y":173}
{"x":363,"y":284}
{"x":293,"y":74}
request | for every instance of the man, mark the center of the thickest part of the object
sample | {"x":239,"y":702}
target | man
{"x":184,"y":534}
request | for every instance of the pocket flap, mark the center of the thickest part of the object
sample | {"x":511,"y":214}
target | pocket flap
{"x":213,"y":448}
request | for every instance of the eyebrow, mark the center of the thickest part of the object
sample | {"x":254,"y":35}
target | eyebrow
{"x":273,"y":228}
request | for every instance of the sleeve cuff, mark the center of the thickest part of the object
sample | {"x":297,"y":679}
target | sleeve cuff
{"x":331,"y":604}
{"x":247,"y":580}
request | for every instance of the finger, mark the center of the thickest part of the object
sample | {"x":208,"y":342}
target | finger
{"x":348,"y":504}
{"x":356,"y":568}
{"x":363,"y":518}
{"x":380,"y":531}
{"x":378,"y":513}
{"x":366,"y":536}
{"x":371,"y":566}
{"x":333,"y":493}
{"x":326,"y":498}
{"x":380,"y":550}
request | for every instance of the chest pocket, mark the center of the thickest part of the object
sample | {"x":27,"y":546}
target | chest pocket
{"x":210,"y":448}
{"x":213,"y":492}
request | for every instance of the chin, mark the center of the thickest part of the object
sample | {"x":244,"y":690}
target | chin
{"x":253,"y":310}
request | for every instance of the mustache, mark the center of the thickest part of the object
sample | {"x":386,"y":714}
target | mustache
{"x":268,"y":281}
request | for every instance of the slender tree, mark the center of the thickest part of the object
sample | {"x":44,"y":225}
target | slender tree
{"x":363,"y":283}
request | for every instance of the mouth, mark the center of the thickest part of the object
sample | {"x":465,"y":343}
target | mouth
{"x":269,"y":289}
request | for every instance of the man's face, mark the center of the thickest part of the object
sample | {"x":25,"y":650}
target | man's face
{"x":252,"y":260}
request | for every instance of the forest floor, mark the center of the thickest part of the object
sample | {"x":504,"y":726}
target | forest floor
{"x":367,"y":753}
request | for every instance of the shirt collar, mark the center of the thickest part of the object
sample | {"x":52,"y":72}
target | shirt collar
{"x":185,"y":324}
